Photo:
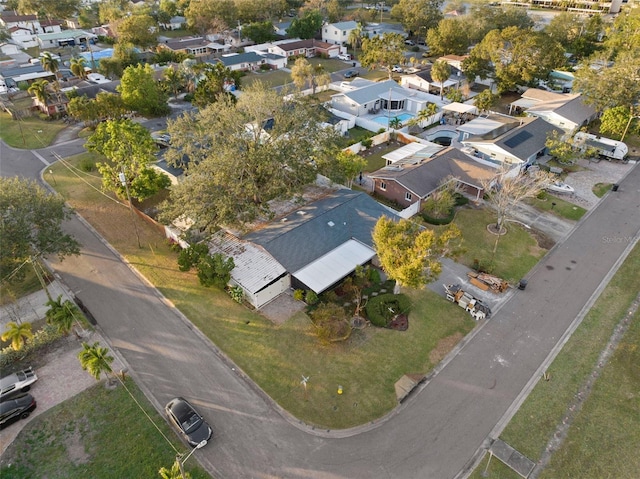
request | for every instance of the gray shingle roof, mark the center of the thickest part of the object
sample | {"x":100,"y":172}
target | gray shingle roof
{"x":248,"y":57}
{"x":426,"y":177}
{"x":368,"y":93}
{"x":317,"y":228}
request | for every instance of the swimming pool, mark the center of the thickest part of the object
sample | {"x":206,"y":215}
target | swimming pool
{"x":403,"y":117}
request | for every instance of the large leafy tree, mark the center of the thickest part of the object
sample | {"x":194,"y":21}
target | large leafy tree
{"x":304,"y":73}
{"x":485,"y":100}
{"x":449,"y":37}
{"x":383,"y":51}
{"x":514,"y":57}
{"x":618,"y":121}
{"x":129,"y":149}
{"x":106,"y":106}
{"x":210,"y":16}
{"x":410,"y":254}
{"x":440,"y":72}
{"x":31,"y":225}
{"x":483,"y":18}
{"x":355,"y":37}
{"x":141,"y":92}
{"x":259,"y":32}
{"x":17,"y":334}
{"x":416,"y":15}
{"x":613,"y":83}
{"x":213,"y":83}
{"x":173,"y":80}
{"x":95,"y":359}
{"x":50,"y":9}
{"x":306,"y":26}
{"x":251,"y":11}
{"x":255,"y":150}
{"x":139,"y":30}
{"x":576,"y":33}
{"x":344,"y":168}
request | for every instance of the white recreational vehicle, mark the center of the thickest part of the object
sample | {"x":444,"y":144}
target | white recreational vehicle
{"x":610,"y":149}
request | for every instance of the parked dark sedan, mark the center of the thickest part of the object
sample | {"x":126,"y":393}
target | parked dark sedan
{"x":351,"y":73}
{"x":16,"y":408}
{"x":183,"y":416}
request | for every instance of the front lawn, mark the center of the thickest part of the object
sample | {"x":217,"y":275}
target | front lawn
{"x":275,"y":356}
{"x":558,"y":207}
{"x":30,"y":133}
{"x":100,"y":433}
{"x":517,"y":252}
{"x":270,"y":77}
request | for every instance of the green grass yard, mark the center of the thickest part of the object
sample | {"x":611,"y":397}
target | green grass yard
{"x":275,"y":355}
{"x":29,"y":133}
{"x":558,"y":207}
{"x":100,"y":433}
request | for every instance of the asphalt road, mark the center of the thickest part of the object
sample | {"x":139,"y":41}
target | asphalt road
{"x":434,"y":435}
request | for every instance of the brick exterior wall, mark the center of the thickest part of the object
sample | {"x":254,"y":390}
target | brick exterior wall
{"x":394,"y":192}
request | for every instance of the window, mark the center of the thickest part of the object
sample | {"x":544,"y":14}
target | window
{"x":408,"y":196}
{"x":383,"y":186}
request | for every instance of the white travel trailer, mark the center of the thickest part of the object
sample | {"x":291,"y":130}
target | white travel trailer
{"x":610,"y":149}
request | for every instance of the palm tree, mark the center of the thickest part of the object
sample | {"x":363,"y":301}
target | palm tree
{"x":174,"y":80}
{"x":40,"y":89}
{"x":174,"y":472}
{"x":440,"y":72}
{"x":17,"y":334}
{"x":61,"y":314}
{"x":50,"y":63}
{"x":95,"y":359}
{"x":395,"y":123}
{"x":424,"y":114}
{"x":355,"y":37}
{"x":77,"y":67}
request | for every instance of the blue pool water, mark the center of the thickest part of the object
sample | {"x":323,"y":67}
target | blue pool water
{"x":403,"y":117}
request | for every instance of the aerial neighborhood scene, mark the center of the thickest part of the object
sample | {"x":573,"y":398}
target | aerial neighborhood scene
{"x":319,"y":239}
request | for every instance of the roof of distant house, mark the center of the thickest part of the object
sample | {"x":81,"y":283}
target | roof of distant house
{"x":10,"y":17}
{"x":571,"y":107}
{"x":185,"y":42}
{"x":349,"y":25}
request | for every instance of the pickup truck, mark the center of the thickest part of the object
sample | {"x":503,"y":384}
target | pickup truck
{"x":17,"y":383}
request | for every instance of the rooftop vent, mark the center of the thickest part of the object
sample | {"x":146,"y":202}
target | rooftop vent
{"x":331,"y":223}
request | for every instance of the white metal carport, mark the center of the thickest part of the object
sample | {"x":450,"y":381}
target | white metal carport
{"x":460,"y":108}
{"x":335,"y":265}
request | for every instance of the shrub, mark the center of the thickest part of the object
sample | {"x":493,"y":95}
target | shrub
{"x":374,"y":275}
{"x":311,"y":297}
{"x":298,"y":295}
{"x":86,"y":165}
{"x":237,"y":294}
{"x":190,"y":256}
{"x":366,"y":142}
{"x":381,"y":309}
{"x":542,"y":195}
{"x":461,"y":200}
{"x":330,"y":297}
{"x":331,"y":323}
{"x":215,"y":270}
{"x":439,"y":220}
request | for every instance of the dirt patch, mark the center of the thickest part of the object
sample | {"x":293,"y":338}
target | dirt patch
{"x":544,"y":241}
{"x":444,"y":347}
{"x":75,"y":447}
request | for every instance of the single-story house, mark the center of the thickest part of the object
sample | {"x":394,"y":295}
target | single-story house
{"x":9,"y":48}
{"x":513,"y":142}
{"x":55,"y":104}
{"x":261,"y":277}
{"x":307,"y":48}
{"x":196,"y":46}
{"x":11,"y":77}
{"x":65,"y":38}
{"x":368,"y":97}
{"x":412,"y":182}
{"x":322,"y":242}
{"x":243,"y":61}
{"x":423,"y":81}
{"x":51,"y":26}
{"x":566,"y":111}
{"x":455,"y":61}
{"x":338,"y":33}
{"x":174,"y":23}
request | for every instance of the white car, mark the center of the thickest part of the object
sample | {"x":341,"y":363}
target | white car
{"x":560,"y":187}
{"x":397,"y":69}
{"x":344,"y":56}
{"x":409,"y":42}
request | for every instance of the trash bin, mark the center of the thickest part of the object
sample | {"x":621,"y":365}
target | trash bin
{"x":522,"y":285}
{"x":614,"y":187}
{"x":354,"y":64}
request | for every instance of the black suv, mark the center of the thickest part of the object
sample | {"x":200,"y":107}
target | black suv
{"x":351,"y":74}
{"x":16,"y":408}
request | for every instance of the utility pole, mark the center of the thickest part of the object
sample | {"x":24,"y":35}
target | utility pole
{"x":123,"y":180}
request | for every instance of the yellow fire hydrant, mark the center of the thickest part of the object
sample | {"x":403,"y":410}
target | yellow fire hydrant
{"x":339,"y":390}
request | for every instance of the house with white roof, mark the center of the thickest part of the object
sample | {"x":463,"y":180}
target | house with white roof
{"x":566,"y":111}
{"x":23,"y":37}
{"x":386,"y":98}
{"x":338,"y":33}
{"x":65,"y":38}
